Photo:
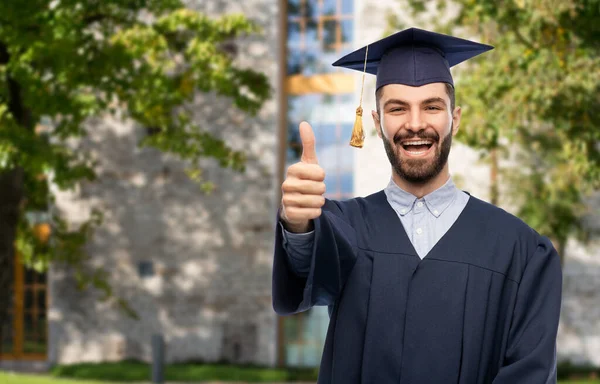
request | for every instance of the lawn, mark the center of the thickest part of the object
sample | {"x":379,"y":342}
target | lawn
{"x":10,"y":378}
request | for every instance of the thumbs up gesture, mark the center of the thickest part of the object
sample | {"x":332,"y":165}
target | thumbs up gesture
{"x":304,"y":186}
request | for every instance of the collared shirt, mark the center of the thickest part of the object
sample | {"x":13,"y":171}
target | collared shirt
{"x":425,"y":221}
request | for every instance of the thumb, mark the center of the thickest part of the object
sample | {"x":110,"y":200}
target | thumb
{"x":309,"y":155}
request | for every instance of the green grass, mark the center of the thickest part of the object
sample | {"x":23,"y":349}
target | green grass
{"x":580,"y":382}
{"x":9,"y":378}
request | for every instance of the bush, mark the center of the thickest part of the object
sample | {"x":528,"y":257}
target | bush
{"x":568,"y":370}
{"x":131,"y":371}
{"x":122,"y":371}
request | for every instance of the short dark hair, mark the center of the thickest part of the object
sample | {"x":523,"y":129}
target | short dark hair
{"x":449,"y":91}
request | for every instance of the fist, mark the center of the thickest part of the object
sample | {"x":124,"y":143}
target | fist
{"x":304,"y":187}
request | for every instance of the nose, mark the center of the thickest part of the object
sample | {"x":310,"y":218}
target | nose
{"x":415,"y":122}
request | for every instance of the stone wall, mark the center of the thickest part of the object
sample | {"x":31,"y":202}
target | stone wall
{"x":579,"y":331}
{"x":211,"y":255}
{"x":196,"y":267}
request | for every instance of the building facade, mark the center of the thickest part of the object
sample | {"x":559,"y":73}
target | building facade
{"x":196,"y":267}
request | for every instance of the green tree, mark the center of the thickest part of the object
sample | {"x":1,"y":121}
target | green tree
{"x":66,"y":61}
{"x":533,"y":101}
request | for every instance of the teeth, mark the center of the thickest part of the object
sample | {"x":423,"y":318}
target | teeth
{"x":422,"y":142}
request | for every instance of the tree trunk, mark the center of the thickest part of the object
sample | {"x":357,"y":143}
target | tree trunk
{"x":11,"y":193}
{"x":494,"y":194}
{"x":561,"y":247}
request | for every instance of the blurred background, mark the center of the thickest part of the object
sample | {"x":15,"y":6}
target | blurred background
{"x":143,"y":145}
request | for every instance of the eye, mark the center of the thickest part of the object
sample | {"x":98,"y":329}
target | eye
{"x":433,"y":108}
{"x":397,"y":109}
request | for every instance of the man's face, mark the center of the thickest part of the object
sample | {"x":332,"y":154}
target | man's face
{"x":416,"y":125}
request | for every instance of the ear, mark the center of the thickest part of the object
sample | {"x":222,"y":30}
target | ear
{"x":456,"y":115}
{"x":377,"y":122}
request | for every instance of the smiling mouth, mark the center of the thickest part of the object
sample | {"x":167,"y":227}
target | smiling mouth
{"x":417,"y":147}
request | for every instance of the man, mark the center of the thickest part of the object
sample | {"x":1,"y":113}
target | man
{"x":424,"y":283}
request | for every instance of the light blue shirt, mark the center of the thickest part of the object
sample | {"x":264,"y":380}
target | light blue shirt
{"x":425,"y":220}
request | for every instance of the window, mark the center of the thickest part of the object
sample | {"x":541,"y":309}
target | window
{"x":332,"y":125}
{"x":25,"y":330}
{"x":318,"y":33}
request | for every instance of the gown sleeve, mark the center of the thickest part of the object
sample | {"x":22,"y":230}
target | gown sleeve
{"x":531,"y":351}
{"x":298,"y":247}
{"x":331,"y":259}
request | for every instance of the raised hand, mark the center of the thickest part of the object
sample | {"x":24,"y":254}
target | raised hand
{"x":303,"y":187}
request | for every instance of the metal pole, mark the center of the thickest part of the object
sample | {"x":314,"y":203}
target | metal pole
{"x":158,"y":359}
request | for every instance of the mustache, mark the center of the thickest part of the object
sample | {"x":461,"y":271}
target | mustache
{"x":422,"y":135}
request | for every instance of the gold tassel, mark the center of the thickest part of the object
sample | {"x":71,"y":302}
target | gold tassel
{"x":358,"y":134}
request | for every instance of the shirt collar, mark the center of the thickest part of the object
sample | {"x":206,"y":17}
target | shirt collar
{"x":436,"y":201}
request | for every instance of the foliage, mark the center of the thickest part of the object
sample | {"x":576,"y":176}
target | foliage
{"x":63,"y":62}
{"x":536,"y":96}
{"x":128,"y":371}
{"x":568,"y":370}
{"x":131,"y":371}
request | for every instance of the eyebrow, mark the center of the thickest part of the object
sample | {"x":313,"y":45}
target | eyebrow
{"x":394,"y":101}
{"x":431,"y":100}
{"x":434,"y":100}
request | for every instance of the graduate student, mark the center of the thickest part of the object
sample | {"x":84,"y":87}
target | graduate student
{"x":425,"y":283}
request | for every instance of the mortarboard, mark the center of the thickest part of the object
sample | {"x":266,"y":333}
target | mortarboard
{"x":413,"y":57}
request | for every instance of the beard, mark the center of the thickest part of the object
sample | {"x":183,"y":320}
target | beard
{"x":418,"y":171}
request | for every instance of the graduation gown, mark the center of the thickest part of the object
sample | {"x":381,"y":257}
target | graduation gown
{"x":481,"y":307}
